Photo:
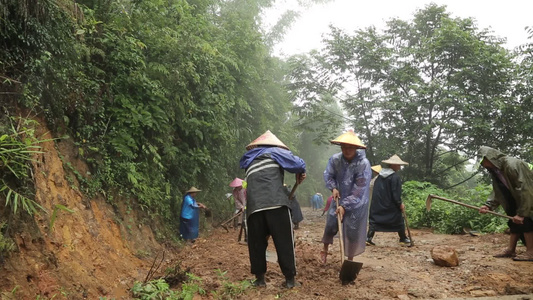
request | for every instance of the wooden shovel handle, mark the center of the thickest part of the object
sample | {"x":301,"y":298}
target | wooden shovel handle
{"x":293,"y":190}
{"x":341,"y":239}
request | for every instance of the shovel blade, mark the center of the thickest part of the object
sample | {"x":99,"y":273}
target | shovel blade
{"x":349,"y":271}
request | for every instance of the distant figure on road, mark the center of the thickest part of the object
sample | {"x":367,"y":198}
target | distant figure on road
{"x":348,"y":175}
{"x":267,"y":207}
{"x":317,"y":201}
{"x":512,"y":185}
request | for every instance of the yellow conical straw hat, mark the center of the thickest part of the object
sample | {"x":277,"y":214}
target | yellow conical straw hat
{"x":376,"y":168}
{"x":348,"y":138}
{"x":395,"y":160}
{"x":267,"y":139}
{"x":193,"y":190}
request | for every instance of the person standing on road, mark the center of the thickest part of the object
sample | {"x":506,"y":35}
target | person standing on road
{"x":267,"y":209}
{"x":386,"y":206}
{"x":239,"y":196}
{"x":317,"y":201}
{"x":512,"y":188}
{"x":348,"y":176}
{"x":190,"y":215}
{"x":375,"y":172}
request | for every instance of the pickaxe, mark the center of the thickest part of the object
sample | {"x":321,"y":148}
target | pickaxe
{"x":223,"y":224}
{"x":431,"y":196}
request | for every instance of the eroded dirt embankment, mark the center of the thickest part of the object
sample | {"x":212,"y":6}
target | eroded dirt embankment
{"x":97,"y":250}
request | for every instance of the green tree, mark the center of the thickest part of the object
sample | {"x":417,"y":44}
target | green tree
{"x":420,"y":88}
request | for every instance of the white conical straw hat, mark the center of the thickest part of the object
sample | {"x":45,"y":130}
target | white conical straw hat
{"x":267,"y":139}
{"x":395,"y":160}
{"x":348,"y":138}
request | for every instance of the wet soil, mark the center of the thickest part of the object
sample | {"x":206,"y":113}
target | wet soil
{"x":390,"y":270}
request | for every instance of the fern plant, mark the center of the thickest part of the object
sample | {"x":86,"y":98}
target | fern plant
{"x":16,"y":150}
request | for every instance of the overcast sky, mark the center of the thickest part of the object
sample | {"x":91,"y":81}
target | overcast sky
{"x":506,"y":18}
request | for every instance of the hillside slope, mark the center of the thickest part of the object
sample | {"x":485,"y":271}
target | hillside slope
{"x":98,"y":250}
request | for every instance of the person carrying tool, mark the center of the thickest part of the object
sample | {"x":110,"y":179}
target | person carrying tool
{"x":267,"y":208}
{"x":512,"y":188}
{"x":190,"y":215}
{"x":386,"y":205}
{"x":239,"y":196}
{"x":348,"y":176}
{"x":375,"y":172}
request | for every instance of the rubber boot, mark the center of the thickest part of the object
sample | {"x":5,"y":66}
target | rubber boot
{"x":290,"y":282}
{"x":404,"y":240}
{"x":259,"y":280}
{"x":369,"y":237}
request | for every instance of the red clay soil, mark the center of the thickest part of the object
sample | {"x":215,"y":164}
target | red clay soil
{"x":390,"y":271}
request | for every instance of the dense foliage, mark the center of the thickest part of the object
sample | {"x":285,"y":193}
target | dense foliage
{"x":446,"y":217}
{"x":157,"y":95}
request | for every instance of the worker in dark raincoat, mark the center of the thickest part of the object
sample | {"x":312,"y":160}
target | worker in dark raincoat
{"x":512,"y":188}
{"x":267,"y":208}
{"x":348,"y":176}
{"x":386,"y":205}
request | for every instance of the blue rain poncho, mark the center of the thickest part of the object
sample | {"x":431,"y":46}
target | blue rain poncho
{"x":352,"y":180}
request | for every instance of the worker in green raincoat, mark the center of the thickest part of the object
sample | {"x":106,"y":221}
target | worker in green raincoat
{"x":512,"y":184}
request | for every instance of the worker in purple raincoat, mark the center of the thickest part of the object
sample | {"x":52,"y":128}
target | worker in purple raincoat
{"x":348,"y":176}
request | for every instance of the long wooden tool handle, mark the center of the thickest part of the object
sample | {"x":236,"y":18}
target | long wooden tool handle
{"x":231,"y":219}
{"x":341,"y":239}
{"x":411,"y":244}
{"x":470,"y":206}
{"x":293,"y":190}
{"x":240,"y":232}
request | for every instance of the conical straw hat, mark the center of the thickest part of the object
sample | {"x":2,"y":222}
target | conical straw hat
{"x":376,"y":168}
{"x":267,"y":139}
{"x":236,"y":182}
{"x":395,"y":160}
{"x":193,"y":190}
{"x":348,"y":138}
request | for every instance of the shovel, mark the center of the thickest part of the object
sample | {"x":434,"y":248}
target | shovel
{"x":349,"y":269}
{"x":431,"y":196}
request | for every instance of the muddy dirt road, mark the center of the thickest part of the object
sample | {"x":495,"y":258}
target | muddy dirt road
{"x":390,"y":271}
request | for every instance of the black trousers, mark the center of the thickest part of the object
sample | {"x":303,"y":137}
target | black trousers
{"x":276,"y":223}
